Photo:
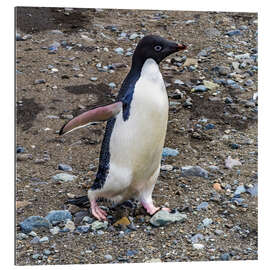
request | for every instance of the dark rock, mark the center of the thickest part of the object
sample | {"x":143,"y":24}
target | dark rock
{"x":40,"y":81}
{"x":225,"y":256}
{"x":20,"y":149}
{"x":209,"y":126}
{"x":64,"y":167}
{"x":235,"y":146}
{"x":228,"y":100}
{"x":236,"y":32}
{"x":189,"y":171}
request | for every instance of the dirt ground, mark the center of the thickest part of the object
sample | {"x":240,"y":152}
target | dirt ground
{"x":43,"y":107}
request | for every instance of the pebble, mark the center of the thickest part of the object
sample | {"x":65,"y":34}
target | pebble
{"x":199,"y":88}
{"x":123,"y":221}
{"x":22,"y":236}
{"x":203,"y":205}
{"x":166,"y":167}
{"x":197,"y":246}
{"x":188,"y":171}
{"x":187,"y":103}
{"x":97,"y":225}
{"x":70,"y":226}
{"x":32,"y":223}
{"x":154,"y":260}
{"x":209,"y":126}
{"x":224,"y":71}
{"x":63,"y":177}
{"x":230,"y":163}
{"x":133,"y":36}
{"x":210,"y":85}
{"x":131,"y":252}
{"x":19,"y":37}
{"x":36,"y":256}
{"x":44,"y":239}
{"x":64,"y":167}
{"x":169,"y":152}
{"x":190,"y":62}
{"x":196,"y":238}
{"x":178,"y":82}
{"x":228,"y":100}
{"x":119,"y":50}
{"x":240,"y":189}
{"x":212,"y":32}
{"x":234,"y":146}
{"x":219,"y":232}
{"x":236,"y":32}
{"x":87,"y":219}
{"x":40,"y":81}
{"x":35,"y":240}
{"x":112,"y":85}
{"x":46,"y":252}
{"x":217,"y":187}
{"x":248,"y":82}
{"x":163,"y":217}
{"x":253,"y":191}
{"x":83,"y":229}
{"x":55,"y":230}
{"x":20,"y":149}
{"x":57,"y":216}
{"x":93,"y":78}
{"x":177,"y":94}
{"x":225,"y":256}
{"x":33,"y":234}
{"x":207,"y":221}
{"x":108,"y":257}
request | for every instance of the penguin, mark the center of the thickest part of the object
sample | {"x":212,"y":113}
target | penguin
{"x":131,"y":151}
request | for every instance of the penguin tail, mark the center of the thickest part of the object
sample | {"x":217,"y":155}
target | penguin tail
{"x":82,"y":201}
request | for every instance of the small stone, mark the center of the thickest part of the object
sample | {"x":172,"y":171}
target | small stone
{"x":22,"y":204}
{"x":93,"y":78}
{"x":178,"y":82}
{"x":169,"y":152}
{"x":197,"y":246}
{"x":225,"y":256}
{"x":133,"y":36}
{"x":154,"y":260}
{"x":222,"y":70}
{"x":64,"y":167}
{"x":196,"y":238}
{"x":217,"y":187}
{"x":123,"y":221}
{"x":108,"y":257}
{"x":234,"y":33}
{"x":228,"y":100}
{"x":20,"y":149}
{"x":210,"y":85}
{"x":55,"y":230}
{"x":35,"y":240}
{"x":87,"y":219}
{"x":97,"y":225}
{"x":44,"y":239}
{"x":163,"y":217}
{"x":63,"y":177}
{"x":203,"y":205}
{"x":131,"y":252}
{"x":57,"y":216}
{"x":33,"y":234}
{"x":199,"y":88}
{"x":65,"y":76}
{"x":190,"y":62}
{"x":35,"y":256}
{"x":209,"y":126}
{"x":70,"y":226}
{"x":248,"y":82}
{"x":188,"y":171}
{"x":230,"y":163}
{"x":166,"y":167}
{"x":22,"y":236}
{"x":187,"y":103}
{"x":119,"y":50}
{"x":234,"y":146}
{"x":19,"y":37}
{"x":46,"y":252}
{"x":240,"y":189}
{"x":177,"y":94}
{"x":40,"y":81}
{"x":112,"y":85}
{"x":34,"y":222}
{"x":253,"y":191}
{"x":207,"y":221}
{"x":219,"y":232}
{"x":83,"y":229}
{"x":67,"y":116}
{"x":212,"y":32}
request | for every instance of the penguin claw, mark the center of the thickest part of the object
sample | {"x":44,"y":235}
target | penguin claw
{"x":97,"y":212}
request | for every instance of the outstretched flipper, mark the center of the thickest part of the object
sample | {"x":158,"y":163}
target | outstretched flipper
{"x":96,"y":115}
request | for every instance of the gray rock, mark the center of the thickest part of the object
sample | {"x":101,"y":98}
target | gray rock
{"x":162,"y":218}
{"x":178,"y":82}
{"x":253,"y":191}
{"x":93,"y":78}
{"x":33,"y":223}
{"x":55,"y":230}
{"x":40,"y":81}
{"x":64,"y":167}
{"x":197,"y":246}
{"x":225,"y":256}
{"x":44,"y":239}
{"x":46,"y":252}
{"x":36,"y":256}
{"x":87,"y":219}
{"x":69,"y":226}
{"x":207,"y":221}
{"x":219,"y":232}
{"x":112,"y":85}
{"x":167,"y":151}
{"x":203,"y":205}
{"x":166,"y":167}
{"x":83,"y":229}
{"x":63,"y":177}
{"x":224,"y":71}
{"x":199,"y":88}
{"x":22,"y":236}
{"x":108,"y":257}
{"x":35,"y":240}
{"x":196,"y":238}
{"x":119,"y":50}
{"x":212,"y":32}
{"x":97,"y":225}
{"x":248,"y":82}
{"x":133,"y":36}
{"x":236,"y":32}
{"x":240,"y":189}
{"x":33,"y":234}
{"x":57,"y":216}
{"x":189,"y":171}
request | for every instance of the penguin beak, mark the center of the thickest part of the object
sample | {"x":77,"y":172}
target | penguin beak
{"x":181,"y":47}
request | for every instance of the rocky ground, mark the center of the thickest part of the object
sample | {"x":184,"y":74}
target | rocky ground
{"x":70,"y":60}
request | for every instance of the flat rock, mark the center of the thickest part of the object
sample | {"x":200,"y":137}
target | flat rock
{"x":169,"y":152}
{"x":34,"y":222}
{"x":190,"y":62}
{"x":162,"y":218}
{"x":97,"y":225}
{"x":189,"y":171}
{"x":64,"y":177}
{"x":230,"y":163}
{"x":57,"y":216}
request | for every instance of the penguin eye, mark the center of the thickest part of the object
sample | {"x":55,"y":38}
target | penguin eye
{"x":158,"y":48}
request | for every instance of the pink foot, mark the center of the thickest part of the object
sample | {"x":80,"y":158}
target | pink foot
{"x":97,"y":212}
{"x":151,"y":209}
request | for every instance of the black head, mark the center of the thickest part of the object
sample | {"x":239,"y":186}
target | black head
{"x":154,"y":47}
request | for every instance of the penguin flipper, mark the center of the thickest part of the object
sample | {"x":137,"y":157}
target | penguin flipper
{"x":104,"y":113}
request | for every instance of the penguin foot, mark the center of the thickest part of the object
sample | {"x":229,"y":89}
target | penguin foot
{"x":150,"y":208}
{"x":97,"y":212}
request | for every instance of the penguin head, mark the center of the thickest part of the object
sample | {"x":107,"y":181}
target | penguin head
{"x":155,"y":47}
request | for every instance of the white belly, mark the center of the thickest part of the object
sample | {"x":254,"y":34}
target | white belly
{"x":136,"y":144}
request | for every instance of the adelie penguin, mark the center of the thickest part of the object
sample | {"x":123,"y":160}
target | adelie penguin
{"x":131,"y":151}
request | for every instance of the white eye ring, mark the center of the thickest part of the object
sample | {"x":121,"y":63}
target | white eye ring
{"x":158,"y":48}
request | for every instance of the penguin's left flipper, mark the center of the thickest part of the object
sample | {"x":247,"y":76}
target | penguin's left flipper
{"x":104,"y":113}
